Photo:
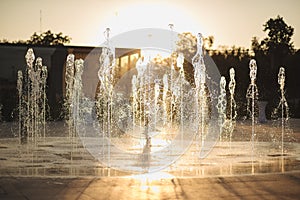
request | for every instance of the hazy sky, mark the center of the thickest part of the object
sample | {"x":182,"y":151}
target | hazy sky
{"x":231,"y":22}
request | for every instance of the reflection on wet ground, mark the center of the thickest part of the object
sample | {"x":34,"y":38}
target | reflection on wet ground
{"x":57,"y":157}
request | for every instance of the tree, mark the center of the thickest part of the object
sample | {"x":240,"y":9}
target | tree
{"x":5,"y":41}
{"x":208,"y":42}
{"x":256,"y":47}
{"x":48,"y":38}
{"x":271,"y":53}
{"x":186,"y":44}
{"x":278,"y":44}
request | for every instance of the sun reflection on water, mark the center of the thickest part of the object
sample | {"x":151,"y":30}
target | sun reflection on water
{"x":149,"y":182}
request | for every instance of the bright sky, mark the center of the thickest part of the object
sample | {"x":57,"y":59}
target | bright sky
{"x":231,"y":22}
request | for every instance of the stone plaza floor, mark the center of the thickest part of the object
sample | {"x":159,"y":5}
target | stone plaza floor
{"x":56,"y":169}
{"x":264,"y":186}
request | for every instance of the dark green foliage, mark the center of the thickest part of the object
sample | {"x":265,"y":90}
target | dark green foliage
{"x":271,"y":53}
{"x":46,"y":38}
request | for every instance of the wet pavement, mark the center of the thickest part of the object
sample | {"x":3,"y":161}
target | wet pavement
{"x":266,"y":186}
{"x":54,"y":168}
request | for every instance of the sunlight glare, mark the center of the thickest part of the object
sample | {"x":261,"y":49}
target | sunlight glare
{"x":149,"y":15}
{"x":148,"y":178}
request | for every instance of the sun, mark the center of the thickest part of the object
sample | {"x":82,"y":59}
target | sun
{"x":149,"y":15}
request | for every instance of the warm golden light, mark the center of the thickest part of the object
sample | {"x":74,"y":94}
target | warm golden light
{"x":149,"y":15}
{"x":148,"y":183}
{"x":151,"y":177}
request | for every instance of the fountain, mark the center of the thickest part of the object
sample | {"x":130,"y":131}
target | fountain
{"x":32,"y":99}
{"x":20,"y":91}
{"x":282,"y":106}
{"x":68,"y":104}
{"x":231,"y":88}
{"x":181,"y":81}
{"x":150,"y":115}
{"x":200,"y":95}
{"x":152,"y":118}
{"x":222,"y":105}
{"x":230,"y":124}
{"x":252,"y":97}
{"x":73,"y":99}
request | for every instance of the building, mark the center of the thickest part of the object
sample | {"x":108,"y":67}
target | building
{"x":12,"y":59}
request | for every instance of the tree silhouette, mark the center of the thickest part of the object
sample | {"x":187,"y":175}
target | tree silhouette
{"x":278,"y":43}
{"x":46,"y":38}
{"x":271,"y":53}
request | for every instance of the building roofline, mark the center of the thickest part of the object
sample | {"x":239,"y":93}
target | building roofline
{"x":57,"y":46}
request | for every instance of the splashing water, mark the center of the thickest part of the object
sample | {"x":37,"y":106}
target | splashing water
{"x":283,"y":106}
{"x":180,"y":61}
{"x":252,"y":97}
{"x":232,"y":102}
{"x":134,"y":100}
{"x":74,"y":101}
{"x":221,"y":105}
{"x":156,"y":101}
{"x":105,"y":95}
{"x":35,"y":78}
{"x":36,"y":94}
{"x":32,"y":97}
{"x":172,"y":107}
{"x":149,"y":114}
{"x":231,"y":87}
{"x":29,"y":121}
{"x":69,"y":80}
{"x":165,"y":93}
{"x":200,"y":91}
{"x":77,"y":94}
{"x":252,"y":93}
{"x":139,"y":93}
{"x":20,"y":98}
{"x":44,"y":98}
